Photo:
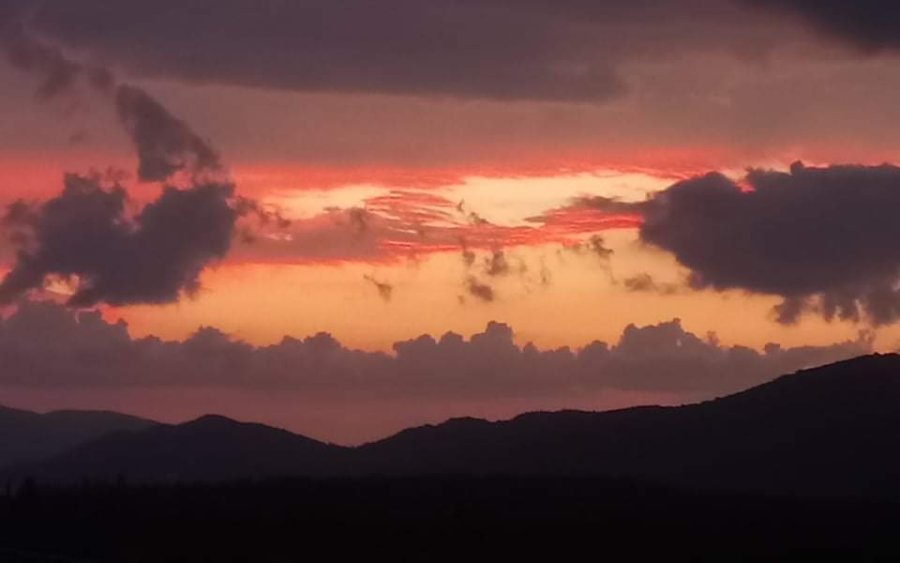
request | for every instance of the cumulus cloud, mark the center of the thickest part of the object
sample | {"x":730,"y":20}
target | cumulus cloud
{"x":823,"y":239}
{"x":499,"y":49}
{"x":87,"y":233}
{"x":53,"y":357}
{"x":44,"y":344}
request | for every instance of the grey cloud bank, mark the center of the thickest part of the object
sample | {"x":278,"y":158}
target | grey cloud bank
{"x":45,"y":345}
{"x":496,"y":49}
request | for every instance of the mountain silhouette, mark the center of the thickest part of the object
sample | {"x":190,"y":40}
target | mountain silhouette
{"x":211,"y":448}
{"x":833,"y":430}
{"x":830,"y":430}
{"x":27,"y":436}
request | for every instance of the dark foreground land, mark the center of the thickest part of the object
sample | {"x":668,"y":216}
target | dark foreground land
{"x":433,"y":519}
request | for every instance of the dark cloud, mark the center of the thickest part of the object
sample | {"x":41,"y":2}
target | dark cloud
{"x":89,"y":235}
{"x":545,"y":275}
{"x":57,"y":73}
{"x":640,"y":282}
{"x":499,"y":49}
{"x":479,"y":289}
{"x":493,"y":265}
{"x":823,"y":239}
{"x":259,"y":220}
{"x":870,"y":24}
{"x":385,"y":290}
{"x":496,"y":264}
{"x":468,"y":257}
{"x":595,"y":245}
{"x":644,"y":282}
{"x":86,"y":234}
{"x":359,"y":220}
{"x":165,"y":145}
{"x":43,"y":344}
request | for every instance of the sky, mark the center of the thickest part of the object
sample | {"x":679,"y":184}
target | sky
{"x":347,"y":217}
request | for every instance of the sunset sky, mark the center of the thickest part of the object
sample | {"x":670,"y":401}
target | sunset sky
{"x":669,"y":199}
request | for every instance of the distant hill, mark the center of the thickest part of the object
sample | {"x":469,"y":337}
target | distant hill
{"x":833,"y":430}
{"x":29,"y":436}
{"x":829,"y":430}
{"x":211,"y":448}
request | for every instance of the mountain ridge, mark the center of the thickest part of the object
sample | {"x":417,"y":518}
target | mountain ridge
{"x":823,"y":431}
{"x":26,"y":435}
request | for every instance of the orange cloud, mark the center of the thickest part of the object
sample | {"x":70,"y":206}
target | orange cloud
{"x":669,"y":162}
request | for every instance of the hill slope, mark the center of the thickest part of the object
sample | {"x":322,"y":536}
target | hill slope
{"x":28,"y":436}
{"x":211,"y":448}
{"x":830,"y":430}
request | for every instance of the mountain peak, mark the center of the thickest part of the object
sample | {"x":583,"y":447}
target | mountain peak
{"x":213,"y":420}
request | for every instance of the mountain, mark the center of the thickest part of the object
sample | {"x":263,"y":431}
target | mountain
{"x":29,"y":436}
{"x":211,"y":448}
{"x":833,"y":430}
{"x":830,"y":430}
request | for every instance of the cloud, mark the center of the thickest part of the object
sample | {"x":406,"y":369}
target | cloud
{"x":870,"y":24}
{"x":644,"y":282}
{"x":57,"y":73}
{"x":594,"y":245}
{"x":86,"y":233}
{"x":496,"y":264}
{"x":404,"y":224}
{"x":45,"y":345}
{"x":89,"y":234}
{"x":165,"y":144}
{"x":479,"y":289}
{"x":498,"y":49}
{"x":385,"y":290}
{"x":822,"y":239}
{"x":468,"y":255}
